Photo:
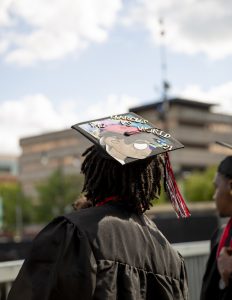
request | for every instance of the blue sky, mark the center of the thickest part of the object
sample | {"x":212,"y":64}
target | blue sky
{"x":62,"y":61}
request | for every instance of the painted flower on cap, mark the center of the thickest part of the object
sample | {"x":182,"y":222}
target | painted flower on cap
{"x":121,"y":129}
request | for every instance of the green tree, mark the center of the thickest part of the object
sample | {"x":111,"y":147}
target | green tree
{"x":198,"y":186}
{"x":56,"y":195}
{"x":14,"y":202}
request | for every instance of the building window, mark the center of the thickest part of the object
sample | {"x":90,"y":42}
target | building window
{"x":221,"y":127}
{"x":5,"y":169}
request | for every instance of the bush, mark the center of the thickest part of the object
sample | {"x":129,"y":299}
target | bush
{"x":198,"y":186}
{"x":14,"y":200}
{"x":57,"y":194}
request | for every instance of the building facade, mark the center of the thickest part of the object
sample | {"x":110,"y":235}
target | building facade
{"x":192,"y":123}
{"x":45,"y":153}
{"x":195,"y":125}
{"x":8,"y":168}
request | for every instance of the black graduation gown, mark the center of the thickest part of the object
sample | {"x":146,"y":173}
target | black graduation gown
{"x":210,"y":286}
{"x":101,"y":253}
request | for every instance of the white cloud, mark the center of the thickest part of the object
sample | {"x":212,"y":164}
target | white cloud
{"x":221,"y":95}
{"x":41,"y":30}
{"x":31,"y":115}
{"x":3,"y":46}
{"x":36,"y":114}
{"x":114,"y":104}
{"x":5,"y":19}
{"x":192,"y":26}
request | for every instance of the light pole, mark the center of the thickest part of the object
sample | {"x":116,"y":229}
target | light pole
{"x":44,"y":160}
{"x":1,"y":213}
{"x":18,"y":210}
{"x":165,"y":83}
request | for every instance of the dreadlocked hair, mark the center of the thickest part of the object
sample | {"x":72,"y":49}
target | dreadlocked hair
{"x":134,"y":184}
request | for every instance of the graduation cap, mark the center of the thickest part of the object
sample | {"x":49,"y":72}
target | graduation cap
{"x":224,"y":144}
{"x":128,"y":138}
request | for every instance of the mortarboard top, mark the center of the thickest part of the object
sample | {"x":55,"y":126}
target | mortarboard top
{"x":127,"y":137}
{"x":224,"y":144}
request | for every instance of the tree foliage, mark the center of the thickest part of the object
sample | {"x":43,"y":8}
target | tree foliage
{"x":57,"y":194}
{"x":198,"y":186}
{"x":13,"y":203}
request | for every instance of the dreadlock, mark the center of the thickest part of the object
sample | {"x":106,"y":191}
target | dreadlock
{"x":135,"y":184}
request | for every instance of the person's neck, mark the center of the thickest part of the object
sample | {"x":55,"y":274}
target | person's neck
{"x":108,"y":199}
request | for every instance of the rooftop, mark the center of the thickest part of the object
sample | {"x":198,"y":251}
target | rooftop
{"x":175,"y":101}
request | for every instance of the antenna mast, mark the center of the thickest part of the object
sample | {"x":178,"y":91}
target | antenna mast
{"x":165,"y":83}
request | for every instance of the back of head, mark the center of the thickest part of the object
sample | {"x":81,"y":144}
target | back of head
{"x":225,"y":167}
{"x":134,"y":184}
{"x":125,"y":162}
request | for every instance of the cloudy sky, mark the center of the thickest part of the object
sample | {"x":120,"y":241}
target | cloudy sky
{"x":64,"y":61}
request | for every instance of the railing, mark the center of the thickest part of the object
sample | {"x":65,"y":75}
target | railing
{"x":194,"y":253}
{"x":8,"y":272}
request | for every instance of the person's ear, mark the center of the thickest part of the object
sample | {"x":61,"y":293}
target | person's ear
{"x":230,"y":186}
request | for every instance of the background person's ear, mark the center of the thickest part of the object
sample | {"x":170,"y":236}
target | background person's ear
{"x":230,"y":186}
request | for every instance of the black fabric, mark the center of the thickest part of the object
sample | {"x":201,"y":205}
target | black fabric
{"x":210,"y":286}
{"x":225,"y":167}
{"x":101,"y":253}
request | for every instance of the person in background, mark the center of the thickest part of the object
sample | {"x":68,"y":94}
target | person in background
{"x":217,"y":281}
{"x":111,"y":250}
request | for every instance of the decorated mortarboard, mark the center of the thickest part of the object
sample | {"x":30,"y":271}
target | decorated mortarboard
{"x":224,"y":144}
{"x":128,"y":138}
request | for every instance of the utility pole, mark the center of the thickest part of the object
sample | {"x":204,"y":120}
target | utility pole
{"x":18,"y":208}
{"x":1,"y":213}
{"x":165,"y":83}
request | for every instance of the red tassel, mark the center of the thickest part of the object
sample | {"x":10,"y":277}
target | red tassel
{"x":173,"y":191}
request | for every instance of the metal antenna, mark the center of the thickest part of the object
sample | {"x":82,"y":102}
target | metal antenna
{"x":165,"y":83}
